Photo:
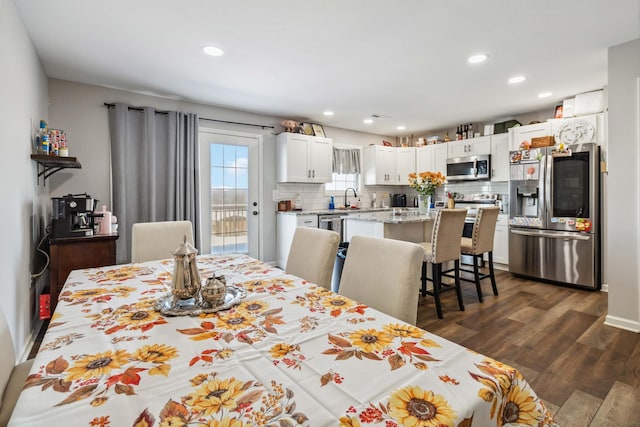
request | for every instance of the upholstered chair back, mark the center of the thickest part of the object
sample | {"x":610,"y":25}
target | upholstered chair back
{"x":313,"y":255}
{"x":383,"y":274}
{"x":156,"y":240}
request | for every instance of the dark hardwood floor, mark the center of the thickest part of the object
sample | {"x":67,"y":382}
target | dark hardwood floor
{"x":588,"y":374}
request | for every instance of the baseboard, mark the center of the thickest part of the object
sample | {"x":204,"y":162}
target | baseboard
{"x":604,"y":287}
{"x":626,"y":324}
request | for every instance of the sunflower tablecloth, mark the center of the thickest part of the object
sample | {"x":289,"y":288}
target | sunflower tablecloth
{"x":289,"y":354}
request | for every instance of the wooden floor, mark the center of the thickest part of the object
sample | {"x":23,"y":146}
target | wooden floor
{"x":588,"y":374}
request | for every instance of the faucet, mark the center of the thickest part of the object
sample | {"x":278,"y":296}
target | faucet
{"x":345,"y":196}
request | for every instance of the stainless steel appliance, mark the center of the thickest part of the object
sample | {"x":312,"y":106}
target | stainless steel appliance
{"x":398,"y":200}
{"x":331,"y":222}
{"x":72,"y":215}
{"x":471,"y":168}
{"x":554,"y":215}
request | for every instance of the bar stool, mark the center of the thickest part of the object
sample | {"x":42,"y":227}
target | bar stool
{"x":444,"y":246}
{"x":481,"y":242}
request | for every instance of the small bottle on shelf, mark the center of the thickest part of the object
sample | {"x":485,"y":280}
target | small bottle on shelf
{"x":464,"y":132}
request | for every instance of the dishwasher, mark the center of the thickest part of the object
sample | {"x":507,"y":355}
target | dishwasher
{"x":331,"y":222}
{"x":334,"y":222}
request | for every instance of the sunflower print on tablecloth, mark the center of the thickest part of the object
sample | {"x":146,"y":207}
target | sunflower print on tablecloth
{"x":511,"y":398}
{"x":408,"y":406}
{"x":397,"y":344}
{"x":228,"y":402}
{"x":98,"y":376}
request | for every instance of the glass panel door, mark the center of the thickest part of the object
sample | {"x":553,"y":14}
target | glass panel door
{"x":230,"y":180}
{"x":570,"y":186}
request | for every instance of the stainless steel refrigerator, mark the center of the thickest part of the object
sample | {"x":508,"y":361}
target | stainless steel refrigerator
{"x":554,"y":214}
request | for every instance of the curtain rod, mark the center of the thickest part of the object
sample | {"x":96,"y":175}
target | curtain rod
{"x":109,"y":105}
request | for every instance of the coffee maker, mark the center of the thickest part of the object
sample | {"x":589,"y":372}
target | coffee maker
{"x":72,"y":215}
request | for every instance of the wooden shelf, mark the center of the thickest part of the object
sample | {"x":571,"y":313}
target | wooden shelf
{"x":48,"y":165}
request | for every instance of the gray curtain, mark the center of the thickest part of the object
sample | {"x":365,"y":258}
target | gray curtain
{"x":155,"y":169}
{"x":346,"y":160}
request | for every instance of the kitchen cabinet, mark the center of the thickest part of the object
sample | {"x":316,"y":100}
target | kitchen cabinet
{"x":469,"y":147}
{"x":304,"y":158}
{"x":501,"y":241}
{"x":405,"y":164}
{"x":523,"y":134}
{"x":286,"y":226}
{"x":388,"y":165}
{"x":500,"y":157}
{"x":432,"y":158}
{"x":73,"y":253}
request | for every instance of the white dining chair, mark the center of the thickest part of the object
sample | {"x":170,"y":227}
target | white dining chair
{"x":152,"y":241}
{"x":383,"y":274}
{"x":313,"y":255}
{"x":12,"y":377}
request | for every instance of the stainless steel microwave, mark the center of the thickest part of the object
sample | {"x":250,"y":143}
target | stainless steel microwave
{"x":471,"y":168}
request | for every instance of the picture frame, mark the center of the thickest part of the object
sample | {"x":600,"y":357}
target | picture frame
{"x":306,"y":128}
{"x":318,"y":130}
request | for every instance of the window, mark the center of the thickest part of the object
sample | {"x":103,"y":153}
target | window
{"x":346,"y":170}
{"x":342,"y":181}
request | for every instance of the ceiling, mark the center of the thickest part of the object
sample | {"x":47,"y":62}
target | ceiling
{"x":405,"y":61}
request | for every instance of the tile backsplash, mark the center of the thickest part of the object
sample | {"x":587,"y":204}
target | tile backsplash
{"x":313,"y":195}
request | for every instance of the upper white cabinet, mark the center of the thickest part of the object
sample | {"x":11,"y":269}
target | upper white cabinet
{"x":432,"y":158}
{"x":500,"y":157}
{"x":470,"y":147}
{"x":405,"y":164}
{"x":388,"y":165}
{"x":523,"y":134}
{"x":578,"y":130}
{"x":304,"y":158}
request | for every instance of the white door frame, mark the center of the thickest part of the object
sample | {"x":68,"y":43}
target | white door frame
{"x":256,"y":151}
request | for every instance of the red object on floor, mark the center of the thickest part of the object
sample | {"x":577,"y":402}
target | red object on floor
{"x":45,"y":307}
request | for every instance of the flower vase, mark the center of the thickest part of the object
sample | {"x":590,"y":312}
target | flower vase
{"x":424,"y":204}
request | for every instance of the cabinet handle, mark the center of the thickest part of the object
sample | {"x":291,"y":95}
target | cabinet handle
{"x":314,"y":173}
{"x":308,"y":173}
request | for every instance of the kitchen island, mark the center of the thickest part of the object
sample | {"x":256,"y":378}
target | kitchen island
{"x":403,"y":224}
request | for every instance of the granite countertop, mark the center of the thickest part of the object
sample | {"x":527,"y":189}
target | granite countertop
{"x":335,"y":211}
{"x":406,"y":215}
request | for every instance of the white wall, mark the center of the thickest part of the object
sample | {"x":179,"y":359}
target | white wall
{"x":79,"y":110}
{"x":23,"y":95}
{"x":623,"y":183}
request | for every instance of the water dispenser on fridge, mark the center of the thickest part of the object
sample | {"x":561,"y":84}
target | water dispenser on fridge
{"x":526,"y":189}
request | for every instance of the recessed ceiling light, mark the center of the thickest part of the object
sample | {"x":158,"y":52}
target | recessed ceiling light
{"x":328,"y":113}
{"x":368,"y":121}
{"x":517,"y":79}
{"x":476,"y":59}
{"x":401,"y":128}
{"x":213,"y":51}
{"x":544,"y":95}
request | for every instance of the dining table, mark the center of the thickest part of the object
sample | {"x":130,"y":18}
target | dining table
{"x":285,"y":353}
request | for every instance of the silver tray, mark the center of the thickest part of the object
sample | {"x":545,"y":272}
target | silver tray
{"x":189,"y":307}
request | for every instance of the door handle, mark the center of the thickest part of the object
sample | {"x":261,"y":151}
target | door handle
{"x":255,"y":212}
{"x":552,"y":235}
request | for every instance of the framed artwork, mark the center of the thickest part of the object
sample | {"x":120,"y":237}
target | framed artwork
{"x":306,"y":128}
{"x":317,"y":130}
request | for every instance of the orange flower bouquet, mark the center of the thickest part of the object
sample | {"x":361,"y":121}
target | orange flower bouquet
{"x":426,"y":183}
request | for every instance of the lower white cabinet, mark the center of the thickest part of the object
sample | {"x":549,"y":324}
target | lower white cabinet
{"x":501,"y":240}
{"x":286,"y":227}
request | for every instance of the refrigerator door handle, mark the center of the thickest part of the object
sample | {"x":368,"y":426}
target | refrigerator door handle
{"x":552,"y":235}
{"x":475,"y":168}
